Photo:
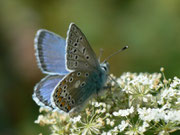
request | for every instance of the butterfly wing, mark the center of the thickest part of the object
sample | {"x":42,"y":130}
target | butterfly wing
{"x":79,"y":54}
{"x":75,"y":89}
{"x":43,"y":90}
{"x":84,"y":79}
{"x":50,"y":52}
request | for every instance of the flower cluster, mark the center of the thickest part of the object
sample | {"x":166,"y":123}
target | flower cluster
{"x":134,"y":104}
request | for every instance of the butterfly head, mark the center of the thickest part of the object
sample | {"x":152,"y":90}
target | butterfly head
{"x":105,"y":67}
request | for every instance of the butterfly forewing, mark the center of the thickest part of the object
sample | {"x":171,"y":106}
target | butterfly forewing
{"x":50,"y":52}
{"x":79,"y":54}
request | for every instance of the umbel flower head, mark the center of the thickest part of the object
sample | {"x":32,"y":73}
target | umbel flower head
{"x":135,"y":104}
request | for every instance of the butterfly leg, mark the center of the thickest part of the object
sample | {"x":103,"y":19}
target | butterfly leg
{"x":112,"y":79}
{"x":107,"y":87}
{"x":97,"y":94}
{"x":75,"y":111}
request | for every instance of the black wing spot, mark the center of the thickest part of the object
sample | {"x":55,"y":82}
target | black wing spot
{"x":78,"y":73}
{"x":86,"y":74}
{"x":76,"y":57}
{"x":75,"y":44}
{"x":71,"y":79}
{"x":76,"y":64}
{"x":84,"y":49}
{"x":87,"y":57}
{"x":83,"y":84}
{"x":65,"y":87}
{"x":75,"y":50}
{"x":72,"y":102}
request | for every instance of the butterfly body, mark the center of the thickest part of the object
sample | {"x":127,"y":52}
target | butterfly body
{"x":74,"y":73}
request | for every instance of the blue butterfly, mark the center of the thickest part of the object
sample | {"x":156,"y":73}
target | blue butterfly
{"x":74,"y":72}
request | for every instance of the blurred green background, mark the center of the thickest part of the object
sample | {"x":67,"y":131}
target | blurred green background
{"x":151,"y":28}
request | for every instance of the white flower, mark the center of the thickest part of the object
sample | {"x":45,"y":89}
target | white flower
{"x":149,"y":114}
{"x":131,"y":132}
{"x":172,"y":115}
{"x":123,"y":125}
{"x":104,"y":133}
{"x":116,"y":113}
{"x":168,"y":95}
{"x":156,"y":108}
{"x":142,"y":128}
{"x":157,"y":114}
{"x":76,"y":119}
{"x":145,"y":99}
{"x":107,"y":121}
{"x":98,"y":104}
{"x":176,"y":83}
{"x":112,"y":123}
{"x":42,"y":120}
{"x":103,"y":110}
{"x":161,"y":133}
{"x":124,"y":112}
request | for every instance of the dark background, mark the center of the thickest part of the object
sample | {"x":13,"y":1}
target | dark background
{"x":151,"y":28}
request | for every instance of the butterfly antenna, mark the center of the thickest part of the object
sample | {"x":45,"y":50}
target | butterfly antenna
{"x":124,"y":48}
{"x":100,"y":54}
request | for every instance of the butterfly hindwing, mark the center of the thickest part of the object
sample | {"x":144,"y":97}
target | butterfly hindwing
{"x":43,"y":90}
{"x":79,"y":54}
{"x":50,"y":52}
{"x":74,"y":90}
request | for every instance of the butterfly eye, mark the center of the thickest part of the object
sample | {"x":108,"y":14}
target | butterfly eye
{"x":105,"y":69}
